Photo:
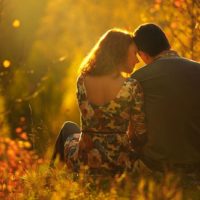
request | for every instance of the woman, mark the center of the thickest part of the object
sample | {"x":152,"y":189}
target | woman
{"x":110,"y":107}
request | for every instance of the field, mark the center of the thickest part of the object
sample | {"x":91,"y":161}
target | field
{"x":25,"y":176}
{"x":42,"y":46}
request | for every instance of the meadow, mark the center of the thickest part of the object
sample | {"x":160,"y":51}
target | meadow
{"x":26,"y":176}
{"x":42,"y":46}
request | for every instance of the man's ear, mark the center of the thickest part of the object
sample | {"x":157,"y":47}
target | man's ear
{"x":145,"y":57}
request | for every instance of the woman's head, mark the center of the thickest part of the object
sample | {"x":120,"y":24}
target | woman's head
{"x":114,"y":52}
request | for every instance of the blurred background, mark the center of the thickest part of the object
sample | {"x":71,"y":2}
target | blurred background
{"x":42,"y":44}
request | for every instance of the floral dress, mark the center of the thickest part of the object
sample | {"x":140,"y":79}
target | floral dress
{"x":103,"y":144}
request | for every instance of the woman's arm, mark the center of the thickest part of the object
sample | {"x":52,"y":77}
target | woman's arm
{"x":137,"y":126}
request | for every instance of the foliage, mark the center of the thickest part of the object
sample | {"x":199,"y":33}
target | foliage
{"x":181,"y":21}
{"x":42,"y":45}
{"x":25,"y":176}
{"x":15,"y":159}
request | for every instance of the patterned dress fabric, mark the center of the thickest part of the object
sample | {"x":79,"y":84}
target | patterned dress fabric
{"x":103,"y":144}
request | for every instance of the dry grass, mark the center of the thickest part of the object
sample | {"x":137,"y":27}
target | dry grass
{"x":25,"y":176}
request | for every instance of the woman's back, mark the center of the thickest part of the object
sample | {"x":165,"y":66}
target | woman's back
{"x":103,"y":108}
{"x":104,"y":122}
{"x":102,"y":89}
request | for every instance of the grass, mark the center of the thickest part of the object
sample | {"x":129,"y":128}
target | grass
{"x":25,"y":176}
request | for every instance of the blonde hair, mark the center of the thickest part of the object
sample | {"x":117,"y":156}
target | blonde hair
{"x":108,"y":53}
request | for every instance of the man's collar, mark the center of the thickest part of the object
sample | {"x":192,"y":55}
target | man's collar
{"x":166,"y":54}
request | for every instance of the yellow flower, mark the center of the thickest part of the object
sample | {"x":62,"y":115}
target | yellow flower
{"x":27,"y":144}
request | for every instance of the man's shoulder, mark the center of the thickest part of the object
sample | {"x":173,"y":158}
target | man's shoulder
{"x":180,"y":59}
{"x":165,"y":64}
{"x":176,"y":60}
{"x":143,"y":71}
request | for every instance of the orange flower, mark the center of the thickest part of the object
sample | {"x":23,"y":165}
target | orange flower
{"x":24,"y":136}
{"x":22,"y":119}
{"x":18,"y":130}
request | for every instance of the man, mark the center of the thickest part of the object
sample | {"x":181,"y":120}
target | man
{"x":171,"y":87}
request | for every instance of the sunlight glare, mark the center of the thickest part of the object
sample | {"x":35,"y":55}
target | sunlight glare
{"x":6,"y":63}
{"x":16,"y":23}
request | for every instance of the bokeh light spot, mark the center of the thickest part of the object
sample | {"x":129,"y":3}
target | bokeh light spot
{"x":16,"y":23}
{"x":6,"y":63}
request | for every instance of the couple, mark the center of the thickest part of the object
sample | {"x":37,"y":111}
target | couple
{"x":152,"y":117}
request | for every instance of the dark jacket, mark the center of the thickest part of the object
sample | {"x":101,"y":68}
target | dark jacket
{"x":172,"y":106}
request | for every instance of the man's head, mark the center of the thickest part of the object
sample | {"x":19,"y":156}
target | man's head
{"x":150,"y":41}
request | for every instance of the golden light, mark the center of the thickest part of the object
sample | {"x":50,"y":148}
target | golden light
{"x":62,"y":58}
{"x":6,"y":63}
{"x":69,"y":100}
{"x":16,"y":23}
{"x":27,"y":144}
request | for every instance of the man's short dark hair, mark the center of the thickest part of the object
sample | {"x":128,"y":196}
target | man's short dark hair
{"x":151,"y":39}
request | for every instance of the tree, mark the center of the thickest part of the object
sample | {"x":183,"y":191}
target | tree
{"x":181,"y":21}
{"x":43,"y":44}
{"x":17,"y":35}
